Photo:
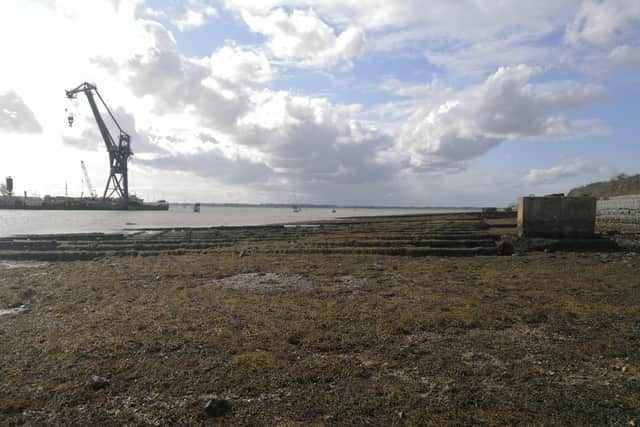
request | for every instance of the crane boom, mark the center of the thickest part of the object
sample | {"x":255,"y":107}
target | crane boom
{"x":119,"y":153}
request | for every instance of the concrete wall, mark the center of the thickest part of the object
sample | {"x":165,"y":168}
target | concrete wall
{"x":556,"y":216}
{"x":620,"y":209}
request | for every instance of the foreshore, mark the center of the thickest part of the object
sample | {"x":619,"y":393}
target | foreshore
{"x":412,"y":320}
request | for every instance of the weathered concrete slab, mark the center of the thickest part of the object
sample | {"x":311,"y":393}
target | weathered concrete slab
{"x":554,"y":216}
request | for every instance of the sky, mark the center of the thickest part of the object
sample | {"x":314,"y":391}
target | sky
{"x":356,"y":102}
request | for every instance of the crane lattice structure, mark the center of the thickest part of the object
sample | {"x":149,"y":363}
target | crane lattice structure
{"x":87,"y":180}
{"x":119,"y":153}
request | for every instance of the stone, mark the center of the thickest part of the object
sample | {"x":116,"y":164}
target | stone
{"x":98,"y":383}
{"x":217,"y":407}
{"x":27,"y":294}
{"x":294,"y":339}
{"x":505,"y":248}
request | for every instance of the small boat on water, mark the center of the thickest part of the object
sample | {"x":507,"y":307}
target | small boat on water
{"x":196,"y":207}
{"x":295,"y":206}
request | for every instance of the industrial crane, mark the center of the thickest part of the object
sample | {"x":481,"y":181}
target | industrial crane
{"x":119,"y":152}
{"x":87,"y":181}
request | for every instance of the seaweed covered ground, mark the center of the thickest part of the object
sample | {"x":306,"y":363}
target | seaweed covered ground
{"x":294,"y":332}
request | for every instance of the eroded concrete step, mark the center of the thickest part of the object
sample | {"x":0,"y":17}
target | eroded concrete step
{"x":410,"y":243}
{"x":405,"y":251}
{"x":85,"y":255}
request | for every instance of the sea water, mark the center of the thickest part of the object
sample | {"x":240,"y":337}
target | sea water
{"x":16,"y":222}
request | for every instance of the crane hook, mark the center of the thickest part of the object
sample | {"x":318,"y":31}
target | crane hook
{"x":69,"y":112}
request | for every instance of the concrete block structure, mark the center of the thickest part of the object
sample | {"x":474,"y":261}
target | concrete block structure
{"x":556,"y":216}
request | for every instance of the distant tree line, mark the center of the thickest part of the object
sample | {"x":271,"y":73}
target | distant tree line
{"x":620,"y":185}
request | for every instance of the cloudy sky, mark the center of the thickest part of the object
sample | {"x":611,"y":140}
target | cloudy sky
{"x":403,"y":102}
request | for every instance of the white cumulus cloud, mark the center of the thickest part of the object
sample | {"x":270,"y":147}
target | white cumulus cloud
{"x":303,"y":37}
{"x":625,"y":54}
{"x":600,"y":22}
{"x":241,"y":65}
{"x":568,"y":169}
{"x":506,"y":106}
{"x":15,"y":116}
{"x":196,"y":15}
{"x":308,"y":139}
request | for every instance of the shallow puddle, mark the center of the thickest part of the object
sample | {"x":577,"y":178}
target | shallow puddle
{"x":10,"y":265}
{"x":15,"y":310}
{"x":262,"y":281}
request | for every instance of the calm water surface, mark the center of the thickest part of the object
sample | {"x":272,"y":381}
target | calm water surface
{"x":14,"y":222}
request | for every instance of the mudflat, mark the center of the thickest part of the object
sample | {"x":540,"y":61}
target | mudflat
{"x":274,"y":331}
